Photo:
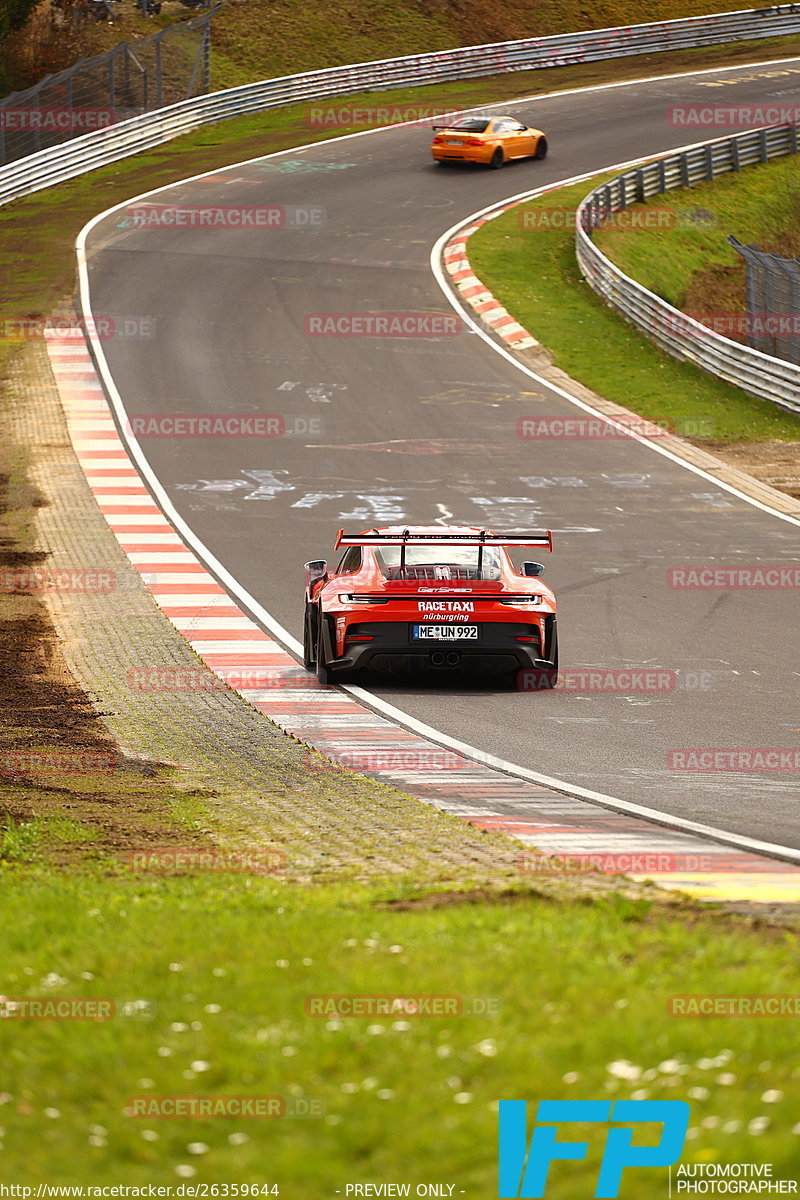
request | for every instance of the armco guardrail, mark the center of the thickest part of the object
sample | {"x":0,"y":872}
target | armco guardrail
{"x":759,"y":374}
{"x":85,"y":153}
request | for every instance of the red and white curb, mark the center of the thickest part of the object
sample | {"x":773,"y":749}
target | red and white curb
{"x":476,"y":294}
{"x":348,"y":733}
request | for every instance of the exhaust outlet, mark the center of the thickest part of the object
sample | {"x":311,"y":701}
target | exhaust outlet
{"x":437,"y":659}
{"x":453,"y":659}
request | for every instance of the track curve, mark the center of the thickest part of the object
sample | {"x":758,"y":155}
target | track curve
{"x":419,"y":429}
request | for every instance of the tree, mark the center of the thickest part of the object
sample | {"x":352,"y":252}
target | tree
{"x":14,"y":14}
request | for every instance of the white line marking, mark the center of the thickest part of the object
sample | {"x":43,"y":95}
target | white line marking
{"x":281,"y":634}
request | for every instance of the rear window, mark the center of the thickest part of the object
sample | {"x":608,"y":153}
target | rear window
{"x":438,"y":562}
{"x":472,"y":125}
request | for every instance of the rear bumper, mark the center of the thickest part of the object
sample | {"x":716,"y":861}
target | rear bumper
{"x":473,"y":154}
{"x":392,"y":651}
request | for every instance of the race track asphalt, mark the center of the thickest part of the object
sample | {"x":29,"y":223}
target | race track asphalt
{"x":419,"y":430}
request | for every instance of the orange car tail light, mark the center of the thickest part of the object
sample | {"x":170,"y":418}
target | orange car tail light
{"x":475,"y":142}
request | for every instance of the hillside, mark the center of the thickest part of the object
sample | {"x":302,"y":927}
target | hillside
{"x":256,"y":39}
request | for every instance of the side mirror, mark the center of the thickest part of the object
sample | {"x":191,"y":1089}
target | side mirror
{"x":314,"y":570}
{"x":532,"y":568}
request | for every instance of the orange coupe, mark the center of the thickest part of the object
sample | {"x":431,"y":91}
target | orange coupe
{"x":492,"y":141}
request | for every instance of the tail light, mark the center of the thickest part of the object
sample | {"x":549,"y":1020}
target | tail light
{"x":475,"y":142}
{"x":437,"y":141}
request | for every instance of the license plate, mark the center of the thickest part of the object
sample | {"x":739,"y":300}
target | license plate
{"x":453,"y":142}
{"x":446,"y":633}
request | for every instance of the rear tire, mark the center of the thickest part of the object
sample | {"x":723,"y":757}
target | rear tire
{"x":497,"y":160}
{"x":323,"y":671}
{"x":309,"y":640}
{"x":552,"y":674}
{"x":541,"y":148}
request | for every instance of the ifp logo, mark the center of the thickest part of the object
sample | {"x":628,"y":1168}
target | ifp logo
{"x":523,"y":1170}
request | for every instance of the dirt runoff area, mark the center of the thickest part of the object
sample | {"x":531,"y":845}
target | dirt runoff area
{"x":55,"y":752}
{"x":775,"y":463}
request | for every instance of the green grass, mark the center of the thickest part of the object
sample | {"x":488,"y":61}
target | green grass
{"x":759,"y":205}
{"x":534,"y":274}
{"x":222,"y":967}
{"x":19,"y":839}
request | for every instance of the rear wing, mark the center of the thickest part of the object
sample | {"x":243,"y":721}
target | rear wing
{"x":542,"y":538}
{"x":481,"y":539}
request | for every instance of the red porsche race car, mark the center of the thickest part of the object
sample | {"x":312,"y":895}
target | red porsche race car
{"x":426,"y":597}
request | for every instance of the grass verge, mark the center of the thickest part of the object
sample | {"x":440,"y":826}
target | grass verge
{"x":534,"y":274}
{"x":577,"y":994}
{"x":690,"y":264}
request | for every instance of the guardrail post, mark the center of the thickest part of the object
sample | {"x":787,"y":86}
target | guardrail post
{"x":735,"y":155}
{"x":683,"y":159}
